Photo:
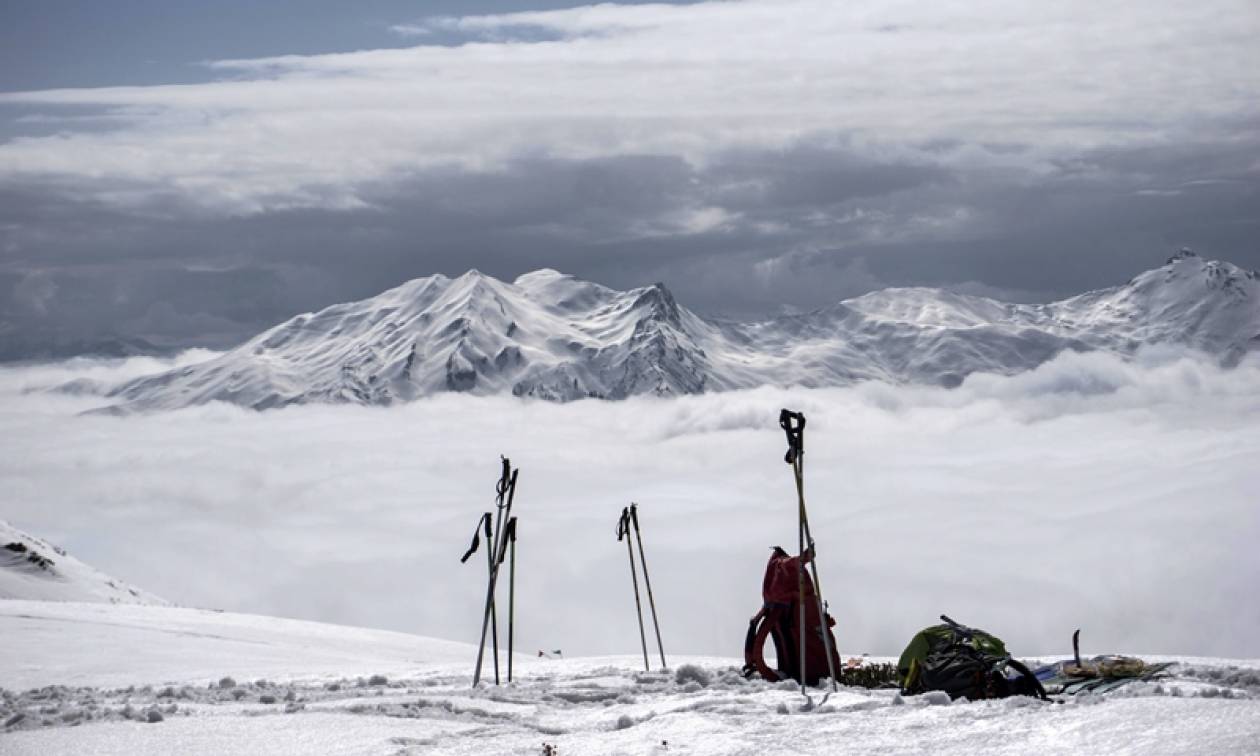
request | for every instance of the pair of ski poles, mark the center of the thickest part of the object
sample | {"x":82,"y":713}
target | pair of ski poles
{"x":793,"y":424}
{"x":500,"y":539}
{"x":630,"y":519}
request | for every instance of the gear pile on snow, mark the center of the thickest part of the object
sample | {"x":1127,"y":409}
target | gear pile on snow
{"x":965,"y":663}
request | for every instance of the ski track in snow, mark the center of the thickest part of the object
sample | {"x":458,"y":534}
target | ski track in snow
{"x":312,"y":699}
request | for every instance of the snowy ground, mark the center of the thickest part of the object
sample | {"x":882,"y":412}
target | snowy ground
{"x":114,"y":679}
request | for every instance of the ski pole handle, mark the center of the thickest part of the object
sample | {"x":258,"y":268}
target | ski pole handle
{"x":623,"y":523}
{"x":509,"y":535}
{"x":793,"y":425}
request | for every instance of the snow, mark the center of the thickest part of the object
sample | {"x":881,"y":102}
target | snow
{"x":87,"y":678}
{"x":552,"y":336}
{"x":71,"y":643}
{"x":31,"y":568}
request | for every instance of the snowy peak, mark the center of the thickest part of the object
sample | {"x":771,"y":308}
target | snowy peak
{"x":553,"y":336}
{"x":1210,"y":305}
{"x":31,"y":568}
{"x":929,"y":307}
{"x":565,"y":292}
{"x":546,"y":335}
{"x":1185,"y":273}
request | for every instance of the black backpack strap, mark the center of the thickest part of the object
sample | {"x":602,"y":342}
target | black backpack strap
{"x":1030,"y":676}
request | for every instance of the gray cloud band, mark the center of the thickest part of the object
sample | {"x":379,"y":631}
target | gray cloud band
{"x":998,"y":149}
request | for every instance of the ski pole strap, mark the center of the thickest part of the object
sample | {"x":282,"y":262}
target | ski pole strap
{"x":509,"y":534}
{"x":793,"y":424}
{"x":623,"y":523}
{"x":501,"y":488}
{"x":476,"y":541}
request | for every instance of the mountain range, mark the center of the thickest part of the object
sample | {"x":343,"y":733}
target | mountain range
{"x":552,"y":336}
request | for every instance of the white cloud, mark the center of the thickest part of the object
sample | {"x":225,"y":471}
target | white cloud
{"x":1053,"y":78}
{"x":1118,"y":497}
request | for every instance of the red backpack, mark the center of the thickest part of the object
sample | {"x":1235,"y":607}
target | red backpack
{"x":780,"y":621}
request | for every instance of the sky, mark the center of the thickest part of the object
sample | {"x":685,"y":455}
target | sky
{"x":1097,"y":493}
{"x":175,"y":174}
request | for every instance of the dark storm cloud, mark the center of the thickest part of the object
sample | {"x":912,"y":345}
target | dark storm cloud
{"x":799,"y":228}
{"x":173,"y":275}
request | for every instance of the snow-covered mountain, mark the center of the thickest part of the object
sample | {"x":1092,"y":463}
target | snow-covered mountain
{"x":31,"y":568}
{"x":553,"y":336}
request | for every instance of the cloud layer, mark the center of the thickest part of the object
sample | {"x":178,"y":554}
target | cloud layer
{"x":1009,"y":84}
{"x":755,"y":155}
{"x":1117,"y":497}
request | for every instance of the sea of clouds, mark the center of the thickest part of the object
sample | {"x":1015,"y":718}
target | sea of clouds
{"x":1118,"y":497}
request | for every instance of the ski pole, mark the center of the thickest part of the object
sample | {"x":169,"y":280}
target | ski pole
{"x":476,"y":542}
{"x":623,"y":530}
{"x":634,"y":517}
{"x":511,"y":534}
{"x":510,"y":490}
{"x":793,"y":424}
{"x":796,"y":449}
{"x":494,"y":610}
{"x":822,"y":606}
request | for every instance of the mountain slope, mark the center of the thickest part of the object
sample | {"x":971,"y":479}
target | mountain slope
{"x":31,"y":568}
{"x":553,"y":336}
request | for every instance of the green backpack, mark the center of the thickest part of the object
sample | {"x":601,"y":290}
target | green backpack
{"x":963,"y":662}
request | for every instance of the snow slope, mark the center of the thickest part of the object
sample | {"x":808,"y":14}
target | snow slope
{"x":87,"y":644}
{"x":552,"y":336}
{"x":31,"y":568}
{"x":207,"y":683}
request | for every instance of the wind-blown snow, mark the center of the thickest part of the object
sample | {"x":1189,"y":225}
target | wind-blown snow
{"x":102,"y":679}
{"x":552,"y":336}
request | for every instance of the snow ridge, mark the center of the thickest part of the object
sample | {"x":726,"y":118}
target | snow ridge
{"x":32,"y":568}
{"x":552,"y":336}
